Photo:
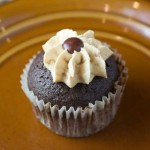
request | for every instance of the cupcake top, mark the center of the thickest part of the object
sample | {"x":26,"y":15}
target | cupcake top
{"x":74,"y":58}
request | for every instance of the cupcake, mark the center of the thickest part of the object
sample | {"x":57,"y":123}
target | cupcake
{"x":75,"y":83}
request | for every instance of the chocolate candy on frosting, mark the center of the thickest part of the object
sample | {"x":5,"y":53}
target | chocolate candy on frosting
{"x":73,"y":44}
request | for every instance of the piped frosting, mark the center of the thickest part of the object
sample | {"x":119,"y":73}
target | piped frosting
{"x":80,"y":66}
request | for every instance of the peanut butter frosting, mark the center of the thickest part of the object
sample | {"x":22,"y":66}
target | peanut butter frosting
{"x":74,"y":58}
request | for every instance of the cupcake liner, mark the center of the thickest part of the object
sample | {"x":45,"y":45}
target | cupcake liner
{"x":80,"y":122}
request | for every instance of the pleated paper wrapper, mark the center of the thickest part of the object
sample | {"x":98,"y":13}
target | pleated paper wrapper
{"x":82,"y":121}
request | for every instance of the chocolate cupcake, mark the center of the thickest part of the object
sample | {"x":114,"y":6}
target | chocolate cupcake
{"x":75,"y":85}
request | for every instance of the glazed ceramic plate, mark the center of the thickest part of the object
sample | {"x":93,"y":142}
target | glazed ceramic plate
{"x":26,"y":25}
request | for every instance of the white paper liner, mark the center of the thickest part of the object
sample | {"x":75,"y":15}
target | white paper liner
{"x":79,"y":122}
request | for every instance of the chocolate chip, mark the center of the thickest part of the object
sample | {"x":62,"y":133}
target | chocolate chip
{"x":72,"y":44}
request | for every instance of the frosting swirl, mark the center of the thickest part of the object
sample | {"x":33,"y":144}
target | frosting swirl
{"x":79,"y":66}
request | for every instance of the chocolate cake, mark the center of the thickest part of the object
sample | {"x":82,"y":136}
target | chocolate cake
{"x":75,"y":84}
{"x":41,"y":83}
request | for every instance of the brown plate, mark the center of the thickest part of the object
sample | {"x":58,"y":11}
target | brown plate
{"x":26,"y":25}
